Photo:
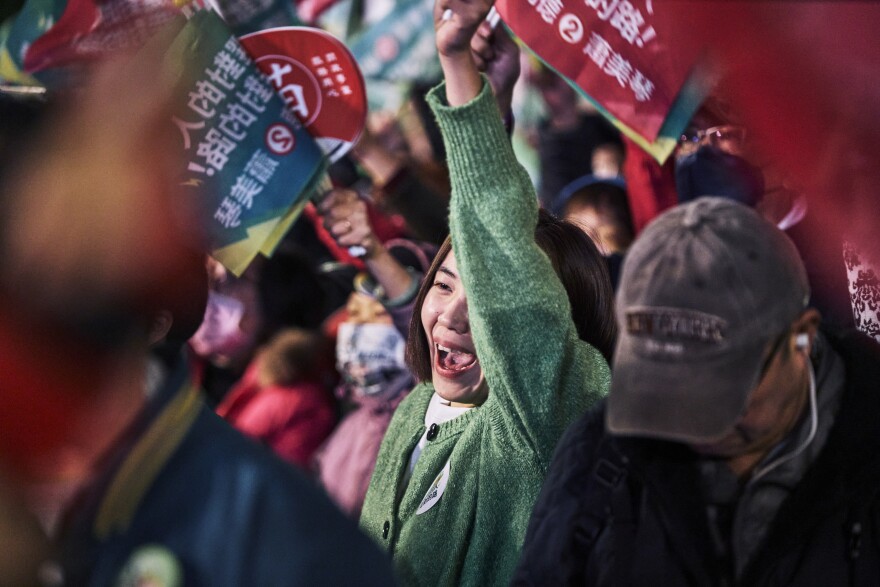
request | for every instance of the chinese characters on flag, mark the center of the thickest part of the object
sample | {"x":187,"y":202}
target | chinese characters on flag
{"x":616,"y":51}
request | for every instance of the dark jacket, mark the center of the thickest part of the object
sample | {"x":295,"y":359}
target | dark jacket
{"x":617,"y":511}
{"x":185,"y":490}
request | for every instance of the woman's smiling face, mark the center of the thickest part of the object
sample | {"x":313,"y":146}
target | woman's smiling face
{"x":455,"y":370}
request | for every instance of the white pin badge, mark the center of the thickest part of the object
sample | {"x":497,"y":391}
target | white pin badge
{"x":151,"y":566}
{"x":435,"y":492}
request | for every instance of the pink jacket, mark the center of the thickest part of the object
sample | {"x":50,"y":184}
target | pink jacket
{"x":346,"y":462}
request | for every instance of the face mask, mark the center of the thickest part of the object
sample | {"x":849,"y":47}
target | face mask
{"x":711,"y":172}
{"x":369,"y":356}
{"x":219,"y":334}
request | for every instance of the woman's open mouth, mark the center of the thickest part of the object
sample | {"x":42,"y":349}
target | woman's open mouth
{"x":453,"y":362}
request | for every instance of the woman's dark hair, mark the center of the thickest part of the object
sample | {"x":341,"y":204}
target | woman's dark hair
{"x":579,"y":265}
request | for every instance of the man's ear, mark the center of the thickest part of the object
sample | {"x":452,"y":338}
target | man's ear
{"x":162,"y":322}
{"x":807,"y":324}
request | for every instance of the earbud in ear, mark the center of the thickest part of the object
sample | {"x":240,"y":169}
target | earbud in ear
{"x":802,"y":342}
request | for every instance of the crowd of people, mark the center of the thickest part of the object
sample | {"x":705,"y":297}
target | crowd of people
{"x":509,"y":384}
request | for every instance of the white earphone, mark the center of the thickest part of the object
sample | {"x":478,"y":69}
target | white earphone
{"x":802,"y":342}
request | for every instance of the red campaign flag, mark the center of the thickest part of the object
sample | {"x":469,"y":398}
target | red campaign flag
{"x":318,"y":79}
{"x":650,"y":186}
{"x":622,"y":53}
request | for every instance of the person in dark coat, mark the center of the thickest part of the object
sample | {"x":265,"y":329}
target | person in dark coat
{"x":132,"y":478}
{"x":183,"y":499}
{"x":738,"y":444}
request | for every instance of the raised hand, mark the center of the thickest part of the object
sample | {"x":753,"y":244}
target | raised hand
{"x":455,"y":22}
{"x":497,"y":56}
{"x":345,"y":218}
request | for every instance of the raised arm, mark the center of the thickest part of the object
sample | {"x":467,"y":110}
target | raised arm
{"x":455,"y":22}
{"x":540,"y":375}
{"x":345,"y":217}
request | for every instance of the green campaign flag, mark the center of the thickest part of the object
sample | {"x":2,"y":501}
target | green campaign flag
{"x":249,"y":161}
{"x":397,"y":50}
{"x":249,"y":16}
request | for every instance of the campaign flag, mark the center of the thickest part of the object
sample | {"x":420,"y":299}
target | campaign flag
{"x":248,"y":158}
{"x":318,"y":79}
{"x":248,"y":16}
{"x":621,"y":57}
{"x":397,"y":50}
{"x":48,"y":39}
{"x":320,"y":82}
{"x":18,"y":32}
{"x":689,"y":99}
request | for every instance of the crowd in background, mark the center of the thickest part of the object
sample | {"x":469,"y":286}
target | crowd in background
{"x":448,"y":359}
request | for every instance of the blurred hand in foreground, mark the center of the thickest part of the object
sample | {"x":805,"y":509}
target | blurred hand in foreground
{"x":497,"y":55}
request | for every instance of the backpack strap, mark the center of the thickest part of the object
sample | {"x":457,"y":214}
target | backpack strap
{"x":607,"y":497}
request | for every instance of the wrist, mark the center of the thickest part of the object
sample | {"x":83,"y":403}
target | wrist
{"x":463,"y":81}
{"x":375,"y":250}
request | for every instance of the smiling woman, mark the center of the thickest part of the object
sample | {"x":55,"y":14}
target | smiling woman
{"x":455,"y":369}
{"x":440,"y":347}
{"x":509,"y":339}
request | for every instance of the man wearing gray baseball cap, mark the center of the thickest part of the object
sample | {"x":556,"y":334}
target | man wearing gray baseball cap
{"x":739,"y":444}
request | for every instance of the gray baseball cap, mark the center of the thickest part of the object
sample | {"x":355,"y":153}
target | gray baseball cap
{"x":704,"y":289}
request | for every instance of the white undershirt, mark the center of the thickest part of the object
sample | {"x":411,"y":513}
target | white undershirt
{"x":438,"y":412}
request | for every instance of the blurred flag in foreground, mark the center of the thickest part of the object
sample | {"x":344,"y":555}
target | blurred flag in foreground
{"x":807,"y":90}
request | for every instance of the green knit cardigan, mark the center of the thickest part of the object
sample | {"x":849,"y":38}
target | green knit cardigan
{"x":541,"y":377}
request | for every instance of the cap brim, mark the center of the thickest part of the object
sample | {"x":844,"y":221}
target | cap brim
{"x":693,"y":401}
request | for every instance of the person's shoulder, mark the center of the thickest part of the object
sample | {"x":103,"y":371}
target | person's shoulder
{"x":581,"y":439}
{"x":231,"y":455}
{"x":570,"y":492}
{"x":599,"y":369}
